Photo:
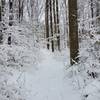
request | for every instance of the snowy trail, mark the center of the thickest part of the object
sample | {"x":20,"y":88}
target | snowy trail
{"x":48,"y":83}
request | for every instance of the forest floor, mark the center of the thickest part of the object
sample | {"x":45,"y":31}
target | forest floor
{"x":49,"y":82}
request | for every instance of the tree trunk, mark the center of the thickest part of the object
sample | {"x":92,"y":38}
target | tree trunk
{"x":2,"y":6}
{"x":1,"y":35}
{"x":73,"y":31}
{"x":66,"y":11}
{"x":92,"y":12}
{"x":21,"y":6}
{"x":0,"y":14}
{"x":10,"y":13}
{"x":47,"y":22}
{"x":51,"y":26}
{"x":58,"y":30}
{"x":54,"y":21}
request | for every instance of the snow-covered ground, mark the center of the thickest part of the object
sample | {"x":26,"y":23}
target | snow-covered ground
{"x":49,"y":81}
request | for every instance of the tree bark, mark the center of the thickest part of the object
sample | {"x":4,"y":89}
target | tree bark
{"x":47,"y":22}
{"x":51,"y":26}
{"x":92,"y":11}
{"x":10,"y":13}
{"x":0,"y":14}
{"x":73,"y":32}
{"x":21,"y":6}
{"x":58,"y":30}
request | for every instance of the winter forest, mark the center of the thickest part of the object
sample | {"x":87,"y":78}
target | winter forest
{"x":49,"y":49}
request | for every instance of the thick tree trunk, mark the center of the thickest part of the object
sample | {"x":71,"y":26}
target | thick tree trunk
{"x":73,"y":31}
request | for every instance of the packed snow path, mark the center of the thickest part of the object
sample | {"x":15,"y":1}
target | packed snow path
{"x":49,"y":82}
